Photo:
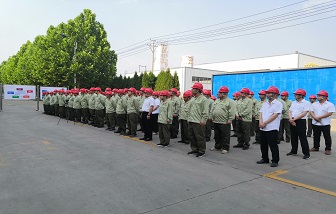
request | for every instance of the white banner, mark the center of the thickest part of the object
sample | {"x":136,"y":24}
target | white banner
{"x":49,"y":89}
{"x":19,"y":92}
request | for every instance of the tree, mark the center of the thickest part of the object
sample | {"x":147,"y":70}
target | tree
{"x":176,"y":83}
{"x":164,"y":81}
{"x":145,"y":80}
{"x":151,"y":80}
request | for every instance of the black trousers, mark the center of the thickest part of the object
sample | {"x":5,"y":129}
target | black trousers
{"x":284,"y":126}
{"x":222,"y":136}
{"x":257,"y":131}
{"x":197,"y":138}
{"x":122,"y":119}
{"x":184,"y":131}
{"x":310,"y":127}
{"x":326,"y":134}
{"x":243,"y":132}
{"x":208,"y":128}
{"x":174,"y":127}
{"x":164,"y":134}
{"x":155,"y":122}
{"x":299,"y":132}
{"x":147,"y":125}
{"x":78,"y":115}
{"x":269,"y":139}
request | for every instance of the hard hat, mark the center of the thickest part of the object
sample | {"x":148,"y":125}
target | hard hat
{"x":133,"y":90}
{"x":312,"y":97}
{"x":108,"y":93}
{"x":173,"y":90}
{"x":206,"y":92}
{"x":245,"y":91}
{"x":115,"y":90}
{"x":164,"y":93}
{"x":92,"y":89}
{"x":197,"y":85}
{"x":223,"y":89}
{"x":187,"y":94}
{"x":149,"y":90}
{"x":251,"y":93}
{"x":285,"y":93}
{"x":121,"y":91}
{"x":262,"y":92}
{"x":238,"y":94}
{"x":213,"y":97}
{"x":300,"y":92}
{"x":142,"y":89}
{"x":273,"y":89}
{"x":108,"y":89}
{"x":323,"y":93}
{"x":97,"y":89}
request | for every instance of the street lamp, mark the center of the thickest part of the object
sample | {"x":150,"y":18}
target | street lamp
{"x":73,"y":57}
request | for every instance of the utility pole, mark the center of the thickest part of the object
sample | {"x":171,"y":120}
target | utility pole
{"x":153,"y":46}
{"x":74,"y":60}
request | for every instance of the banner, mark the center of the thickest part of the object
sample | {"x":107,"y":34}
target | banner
{"x":19,"y":92}
{"x":49,"y":89}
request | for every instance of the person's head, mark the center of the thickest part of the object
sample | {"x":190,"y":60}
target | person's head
{"x":197,"y":89}
{"x":97,"y":90}
{"x":272,"y":93}
{"x":284,"y":95}
{"x":164,"y":94}
{"x":173,"y":92}
{"x":262,"y":94}
{"x":312,"y":98}
{"x":322,"y":96}
{"x":299,"y":94}
{"x":132,"y":91}
{"x":207,"y":93}
{"x":251,"y":94}
{"x":187,"y":95}
{"x":223,"y":92}
{"x":148,"y":92}
{"x":244,"y":92}
{"x":108,"y":94}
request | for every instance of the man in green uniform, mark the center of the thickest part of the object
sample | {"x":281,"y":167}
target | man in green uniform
{"x":141,"y":98}
{"x":61,"y":103}
{"x":92,"y":105}
{"x":208,"y":125}
{"x":244,"y":120}
{"x":132,"y":112}
{"x":258,"y":105}
{"x":56,"y":94}
{"x":284,"y":123}
{"x":52,"y":103}
{"x":110,"y":106}
{"x":121,"y":112}
{"x":176,"y":103}
{"x":165,"y":119}
{"x":222,"y":114}
{"x":254,"y":127}
{"x":116,"y":97}
{"x":71,"y":104}
{"x":77,"y":106}
{"x":99,"y":108}
{"x":198,"y":115}
{"x":184,"y":112}
{"x":46,"y":102}
{"x":85,"y":105}
{"x":312,"y":99}
{"x":285,"y":108}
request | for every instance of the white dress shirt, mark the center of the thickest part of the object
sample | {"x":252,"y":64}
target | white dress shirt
{"x":157,"y":103}
{"x":321,"y":109}
{"x":298,"y":107}
{"x":267,"y":110}
{"x":148,"y":102}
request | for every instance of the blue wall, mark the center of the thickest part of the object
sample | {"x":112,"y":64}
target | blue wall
{"x":312,"y":80}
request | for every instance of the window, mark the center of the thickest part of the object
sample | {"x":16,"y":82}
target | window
{"x":201,"y":79}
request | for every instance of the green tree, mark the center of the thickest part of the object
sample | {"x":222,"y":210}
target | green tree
{"x":152,"y":79}
{"x":176,"y":83}
{"x":145,"y":80}
{"x":164,"y":81}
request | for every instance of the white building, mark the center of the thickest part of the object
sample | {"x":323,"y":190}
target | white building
{"x":189,"y":74}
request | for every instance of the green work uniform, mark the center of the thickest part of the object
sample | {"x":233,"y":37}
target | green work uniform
{"x":165,"y":120}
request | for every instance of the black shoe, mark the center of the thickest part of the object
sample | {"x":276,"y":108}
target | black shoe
{"x":112,"y":129}
{"x":234,"y":135}
{"x":128,"y":133}
{"x":187,"y":142}
{"x":148,"y":139}
{"x":308,"y":135}
{"x":133,"y":135}
{"x":108,"y":129}
{"x":306,"y":157}
{"x":246,"y":147}
{"x":118,"y":131}
{"x":273,"y":164}
{"x":192,"y":152}
{"x":143,"y":138}
{"x":181,"y":141}
{"x":256,"y":142}
{"x":100,"y":126}
{"x":290,"y":153}
{"x":207,"y":140}
{"x":287,"y":141}
{"x":262,"y":161}
{"x":199,"y":155}
{"x":252,"y":135}
{"x":159,"y":145}
{"x":122,"y":133}
{"x":173,"y":137}
{"x":238,"y":146}
{"x":165,"y":146}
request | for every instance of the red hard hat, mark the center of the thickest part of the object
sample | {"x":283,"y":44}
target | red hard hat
{"x":245,"y":91}
{"x":223,"y":89}
{"x":102,"y":92}
{"x":149,"y":90}
{"x":213,"y":97}
{"x":251,"y":93}
{"x":285,"y":93}
{"x":178,"y":93}
{"x":197,"y":85}
{"x":133,"y":90}
{"x":312,"y":97}
{"x":92,"y":89}
{"x":323,"y":93}
{"x":108,"y":89}
{"x":206,"y":92}
{"x":155,"y":93}
{"x":108,"y":93}
{"x":164,"y":93}
{"x":300,"y":92}
{"x":238,"y":94}
{"x":273,"y":89}
{"x":97,"y":89}
{"x":125,"y":90}
{"x":82,"y":90}
{"x":262,"y":92}
{"x":121,"y":91}
{"x":173,"y":90}
{"x":187,"y":94}
{"x":115,"y":90}
{"x":142,"y":89}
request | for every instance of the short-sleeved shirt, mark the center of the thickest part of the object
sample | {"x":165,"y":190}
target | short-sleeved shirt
{"x":321,"y":109}
{"x":147,"y":103}
{"x":298,"y":107}
{"x":267,"y":110}
{"x":156,"y":103}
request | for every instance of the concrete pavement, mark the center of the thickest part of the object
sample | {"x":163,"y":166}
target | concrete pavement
{"x":75,"y":168}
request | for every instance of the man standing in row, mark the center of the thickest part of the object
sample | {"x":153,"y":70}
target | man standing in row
{"x":321,"y":112}
{"x":132,"y":112}
{"x":312,"y":99}
{"x":184,"y":113}
{"x":146,"y":115}
{"x":258,"y":105}
{"x":284,"y":124}
{"x":208,"y":125}
{"x":176,"y":110}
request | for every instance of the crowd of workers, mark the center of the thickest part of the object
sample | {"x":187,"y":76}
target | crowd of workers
{"x":197,"y":112}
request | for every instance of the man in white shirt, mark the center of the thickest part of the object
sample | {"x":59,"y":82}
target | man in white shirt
{"x":146,"y":117}
{"x":321,"y":112}
{"x":156,"y":111}
{"x":269,"y":123}
{"x":297,"y":119}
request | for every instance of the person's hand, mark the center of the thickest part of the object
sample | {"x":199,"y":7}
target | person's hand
{"x":174,"y":115}
{"x":148,"y":117}
{"x":229,"y":122}
{"x":262,"y":125}
{"x":202,"y":123}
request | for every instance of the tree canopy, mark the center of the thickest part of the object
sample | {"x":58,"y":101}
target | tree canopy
{"x":78,"y":47}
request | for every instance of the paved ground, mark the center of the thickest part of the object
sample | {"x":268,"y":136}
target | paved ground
{"x":75,"y":168}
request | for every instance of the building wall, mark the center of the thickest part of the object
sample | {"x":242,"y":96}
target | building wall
{"x":264,"y":63}
{"x":311,"y":61}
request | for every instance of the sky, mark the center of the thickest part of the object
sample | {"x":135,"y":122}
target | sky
{"x":131,"y":21}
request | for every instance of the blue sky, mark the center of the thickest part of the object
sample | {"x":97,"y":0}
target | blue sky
{"x":131,"y":21}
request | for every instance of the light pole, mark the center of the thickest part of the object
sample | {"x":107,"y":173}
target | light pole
{"x":73,"y":58}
